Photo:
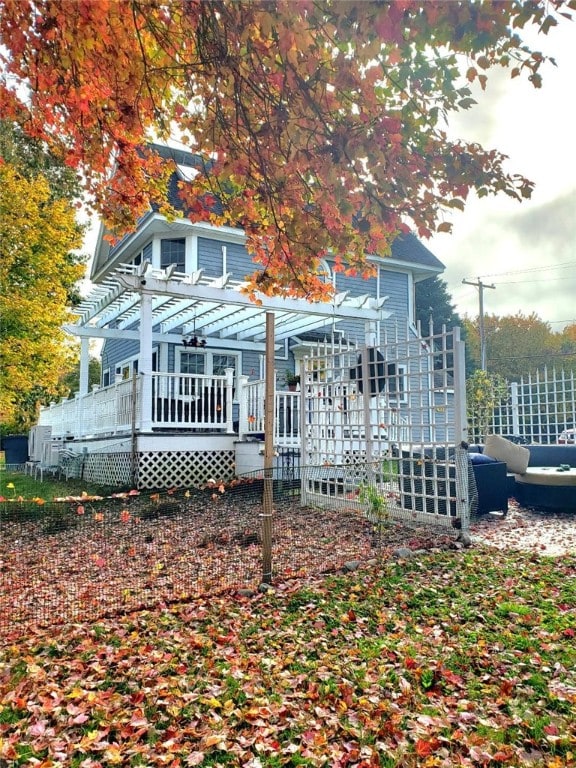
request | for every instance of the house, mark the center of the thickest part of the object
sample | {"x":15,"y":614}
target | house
{"x":183,"y":350}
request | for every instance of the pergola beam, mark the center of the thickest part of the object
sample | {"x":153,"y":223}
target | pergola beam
{"x":212,"y":305}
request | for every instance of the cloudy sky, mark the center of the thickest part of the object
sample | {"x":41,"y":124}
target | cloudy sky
{"x":527,"y":250}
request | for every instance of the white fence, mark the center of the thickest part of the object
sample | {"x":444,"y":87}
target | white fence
{"x":536,"y":409}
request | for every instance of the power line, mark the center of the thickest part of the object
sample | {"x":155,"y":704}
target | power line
{"x":550,"y":280}
{"x":561,"y":265}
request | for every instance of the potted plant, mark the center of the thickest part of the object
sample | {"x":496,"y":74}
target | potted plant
{"x":292,"y":380}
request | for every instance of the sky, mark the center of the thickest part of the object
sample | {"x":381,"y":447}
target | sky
{"x":527,"y":250}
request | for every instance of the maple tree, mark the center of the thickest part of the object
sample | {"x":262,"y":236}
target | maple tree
{"x":320,"y":124}
{"x":38,"y":274}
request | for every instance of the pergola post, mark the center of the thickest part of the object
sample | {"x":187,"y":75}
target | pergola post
{"x":84,"y":365}
{"x":145,"y":362}
{"x":270,"y":384}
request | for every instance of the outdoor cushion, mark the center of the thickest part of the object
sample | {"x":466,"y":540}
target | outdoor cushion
{"x":482,"y":458}
{"x":515,"y":456}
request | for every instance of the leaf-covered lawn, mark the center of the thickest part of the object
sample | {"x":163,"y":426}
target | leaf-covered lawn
{"x":454,"y":658}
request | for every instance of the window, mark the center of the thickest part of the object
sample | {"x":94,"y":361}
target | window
{"x":385,"y":378}
{"x":209,"y":363}
{"x":396,"y":382}
{"x":221,"y":362}
{"x":127,"y":368}
{"x":192,"y":362}
{"x":200,"y":363}
{"x":173,"y":252}
{"x":144,"y":255}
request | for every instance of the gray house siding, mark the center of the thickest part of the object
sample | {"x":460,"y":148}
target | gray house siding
{"x":115,"y":352}
{"x":210,"y":256}
{"x":396,"y":285}
{"x":251,"y":363}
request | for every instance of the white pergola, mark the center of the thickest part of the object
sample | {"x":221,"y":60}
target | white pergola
{"x":132,"y":301}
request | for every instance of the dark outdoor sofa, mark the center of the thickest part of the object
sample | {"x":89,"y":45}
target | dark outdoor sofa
{"x":496,"y":480}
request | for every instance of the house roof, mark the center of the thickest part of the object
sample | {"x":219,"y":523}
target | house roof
{"x":407,"y":249}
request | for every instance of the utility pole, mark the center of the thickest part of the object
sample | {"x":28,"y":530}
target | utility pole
{"x":480,"y":285}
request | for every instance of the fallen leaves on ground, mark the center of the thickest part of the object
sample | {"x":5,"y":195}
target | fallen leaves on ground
{"x":85,"y":560}
{"x":551,"y":532}
{"x":460,"y":658}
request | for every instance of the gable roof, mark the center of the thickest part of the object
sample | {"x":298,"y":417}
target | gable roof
{"x":407,"y":249}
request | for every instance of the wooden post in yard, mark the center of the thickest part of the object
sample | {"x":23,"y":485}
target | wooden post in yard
{"x":269,"y":396}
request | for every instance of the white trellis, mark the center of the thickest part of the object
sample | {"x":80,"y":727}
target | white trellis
{"x":537,"y":408}
{"x":391,"y":415}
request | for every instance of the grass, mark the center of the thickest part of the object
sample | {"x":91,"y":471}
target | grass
{"x":26,"y":487}
{"x":455,"y":658}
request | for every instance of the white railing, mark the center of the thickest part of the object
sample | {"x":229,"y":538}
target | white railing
{"x":286,"y":413}
{"x":106,"y":411}
{"x":191,"y":401}
{"x":179,"y":401}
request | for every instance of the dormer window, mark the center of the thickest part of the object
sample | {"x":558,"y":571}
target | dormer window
{"x":173,"y":252}
{"x":144,"y":255}
{"x":324,"y":271}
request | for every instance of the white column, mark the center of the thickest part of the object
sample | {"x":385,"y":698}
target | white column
{"x":84,"y":364}
{"x":371,"y":333}
{"x":229,"y":400}
{"x":145,"y":362}
{"x":243,"y":406}
{"x":191,"y":253}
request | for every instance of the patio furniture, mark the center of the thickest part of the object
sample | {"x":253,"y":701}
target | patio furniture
{"x":547,"y":487}
{"x":491,"y":485}
{"x":70,"y":464}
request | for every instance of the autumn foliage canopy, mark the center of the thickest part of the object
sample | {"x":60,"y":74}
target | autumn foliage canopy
{"x":321,"y":124}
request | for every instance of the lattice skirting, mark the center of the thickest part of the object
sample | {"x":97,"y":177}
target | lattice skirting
{"x":169,"y":469}
{"x":160,"y":469}
{"x":108,"y":469}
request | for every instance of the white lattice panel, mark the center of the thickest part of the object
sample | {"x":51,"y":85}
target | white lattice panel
{"x":160,"y":469}
{"x":108,"y":469}
{"x":168,"y":469}
{"x":400,"y":401}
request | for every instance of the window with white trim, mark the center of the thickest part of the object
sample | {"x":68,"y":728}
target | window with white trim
{"x":205,"y":363}
{"x":173,"y":251}
{"x":209,"y":363}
